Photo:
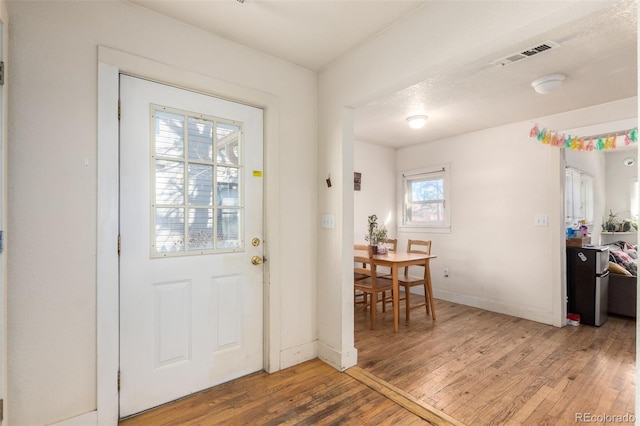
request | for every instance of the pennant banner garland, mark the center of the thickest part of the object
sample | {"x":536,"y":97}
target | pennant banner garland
{"x":584,"y":143}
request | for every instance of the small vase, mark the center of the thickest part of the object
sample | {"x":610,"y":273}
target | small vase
{"x":374,"y":249}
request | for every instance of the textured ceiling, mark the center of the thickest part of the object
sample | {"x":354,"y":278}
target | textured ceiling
{"x":597,"y":52}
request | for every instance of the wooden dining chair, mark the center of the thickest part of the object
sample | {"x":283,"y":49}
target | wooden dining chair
{"x":392,"y":244}
{"x":361,"y":271}
{"x":361,"y":268}
{"x":407,"y":281}
{"x":371,"y":287}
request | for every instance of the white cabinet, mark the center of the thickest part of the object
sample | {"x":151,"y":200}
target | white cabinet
{"x":578,"y":196}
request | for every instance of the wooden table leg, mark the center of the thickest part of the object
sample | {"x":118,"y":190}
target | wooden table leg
{"x":427,"y":273}
{"x":396,"y":298}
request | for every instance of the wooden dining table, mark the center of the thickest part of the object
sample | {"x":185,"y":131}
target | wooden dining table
{"x":395,"y":261}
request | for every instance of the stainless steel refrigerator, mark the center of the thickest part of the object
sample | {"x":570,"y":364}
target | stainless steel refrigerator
{"x":588,"y":283}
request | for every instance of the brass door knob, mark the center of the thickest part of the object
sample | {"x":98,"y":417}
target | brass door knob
{"x":256,"y":260}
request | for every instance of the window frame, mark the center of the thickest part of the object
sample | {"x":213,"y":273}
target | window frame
{"x":427,"y":173}
{"x":634,"y":196}
{"x":186,"y":204}
{"x":580,"y":199}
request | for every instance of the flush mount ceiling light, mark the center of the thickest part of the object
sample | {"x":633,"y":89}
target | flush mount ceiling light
{"x":417,"y":121}
{"x":548,"y":83}
{"x":629,"y":161}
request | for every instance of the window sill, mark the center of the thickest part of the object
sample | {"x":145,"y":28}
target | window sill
{"x":618,"y":232}
{"x":425,"y":229}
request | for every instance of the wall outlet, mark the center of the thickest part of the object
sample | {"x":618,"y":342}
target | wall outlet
{"x":445,"y":272}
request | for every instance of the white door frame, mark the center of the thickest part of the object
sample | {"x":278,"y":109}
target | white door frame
{"x":3,"y":221}
{"x":110,"y":64}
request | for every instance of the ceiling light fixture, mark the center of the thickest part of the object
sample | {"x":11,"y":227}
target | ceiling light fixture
{"x":629,"y":161}
{"x":548,"y":83}
{"x":417,"y":121}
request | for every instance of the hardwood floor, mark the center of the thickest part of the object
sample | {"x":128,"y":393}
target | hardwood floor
{"x":478,"y":367}
{"x":484,"y":368}
{"x":312,"y":393}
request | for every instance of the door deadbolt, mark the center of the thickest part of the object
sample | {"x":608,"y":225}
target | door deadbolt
{"x":256,"y":260}
{"x":255,"y":242}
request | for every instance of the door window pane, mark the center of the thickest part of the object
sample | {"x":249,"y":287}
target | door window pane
{"x":227,"y":189}
{"x":169,"y":134}
{"x":200,"y":229}
{"x":228,"y":228}
{"x":227,"y":142}
{"x":169,"y":230}
{"x":200,"y":185}
{"x":169,"y":182}
{"x":196,"y":196}
{"x":200,"y":139}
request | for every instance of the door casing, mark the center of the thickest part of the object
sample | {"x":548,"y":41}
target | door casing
{"x":110,"y":64}
{"x":195,"y":279}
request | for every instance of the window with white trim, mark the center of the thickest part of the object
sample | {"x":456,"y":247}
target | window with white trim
{"x":196,"y":194}
{"x":425,"y":198}
{"x":578,"y":194}
{"x":634,"y":200}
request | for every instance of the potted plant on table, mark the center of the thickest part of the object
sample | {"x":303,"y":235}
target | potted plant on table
{"x":377,"y":235}
{"x":380,"y":238}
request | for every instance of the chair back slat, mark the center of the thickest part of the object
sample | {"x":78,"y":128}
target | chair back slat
{"x":364,"y":261}
{"x":392,"y":244}
{"x":419,"y":247}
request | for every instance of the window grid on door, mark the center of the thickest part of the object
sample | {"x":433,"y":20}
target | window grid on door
{"x":196,"y":184}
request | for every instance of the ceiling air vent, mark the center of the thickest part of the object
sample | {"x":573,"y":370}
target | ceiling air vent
{"x":527,"y":53}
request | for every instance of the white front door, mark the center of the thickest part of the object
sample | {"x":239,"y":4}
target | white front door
{"x":191,"y":295}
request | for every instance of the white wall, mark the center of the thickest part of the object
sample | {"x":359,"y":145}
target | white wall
{"x":52,"y":196}
{"x":497,"y":258}
{"x":377,"y":196}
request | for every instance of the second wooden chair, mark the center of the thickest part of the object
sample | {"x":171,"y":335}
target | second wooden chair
{"x":407,"y":281}
{"x":371,"y":287}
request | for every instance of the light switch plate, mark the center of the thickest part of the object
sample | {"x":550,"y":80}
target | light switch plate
{"x":328,"y":221}
{"x":542,"y":220}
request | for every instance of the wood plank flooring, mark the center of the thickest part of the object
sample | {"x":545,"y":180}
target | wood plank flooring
{"x":311,"y":393}
{"x":484,"y":368}
{"x":478,"y":367}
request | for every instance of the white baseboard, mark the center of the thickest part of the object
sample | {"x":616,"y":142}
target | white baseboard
{"x":87,"y":419}
{"x":519,"y":311}
{"x":298,"y":354}
{"x":338,"y":360}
